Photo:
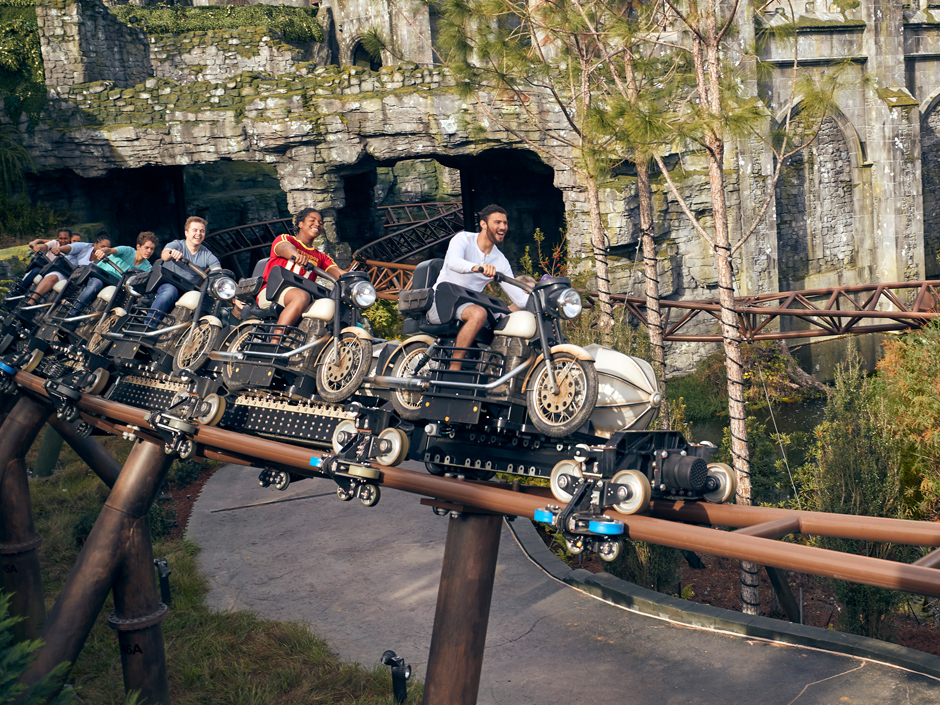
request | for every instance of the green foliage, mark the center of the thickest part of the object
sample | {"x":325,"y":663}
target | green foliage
{"x":554,"y":264}
{"x":293,"y":24}
{"x":704,"y":393}
{"x":183,"y":473}
{"x":14,"y":160}
{"x":908,"y":392}
{"x":22,"y":84}
{"x":15,"y":657}
{"x":21,"y":219}
{"x":384,"y":319}
{"x":649,"y":565}
{"x":856,"y":471}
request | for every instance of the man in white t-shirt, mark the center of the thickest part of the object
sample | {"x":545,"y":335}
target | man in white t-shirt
{"x":467,"y":253}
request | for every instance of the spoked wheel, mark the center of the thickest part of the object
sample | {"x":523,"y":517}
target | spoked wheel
{"x":727,"y":483}
{"x":239,"y":340}
{"x":640,"y":491}
{"x":98,"y":344}
{"x":98,"y":381}
{"x":215,"y":410}
{"x":341,"y":371}
{"x":32,"y":362}
{"x":563,"y":467}
{"x":561,"y":413}
{"x":411,"y":363}
{"x":195,"y":347}
{"x":399,"y":449}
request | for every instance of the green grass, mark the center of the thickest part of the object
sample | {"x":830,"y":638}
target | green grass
{"x":233,"y":658}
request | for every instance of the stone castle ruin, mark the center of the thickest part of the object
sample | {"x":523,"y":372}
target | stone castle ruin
{"x":241,"y":126}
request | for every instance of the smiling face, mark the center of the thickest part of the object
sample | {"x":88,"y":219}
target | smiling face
{"x":64,"y":237}
{"x":195,"y":234}
{"x":310,"y":227}
{"x":495,"y":227}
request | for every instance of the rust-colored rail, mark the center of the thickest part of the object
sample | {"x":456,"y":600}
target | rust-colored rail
{"x":840,"y":310}
{"x":755,"y":541}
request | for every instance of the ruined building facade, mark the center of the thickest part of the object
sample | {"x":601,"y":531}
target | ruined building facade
{"x":328,"y":127}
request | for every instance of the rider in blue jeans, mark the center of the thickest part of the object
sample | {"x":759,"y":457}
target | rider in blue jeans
{"x":190,"y":250}
{"x":127,"y":257}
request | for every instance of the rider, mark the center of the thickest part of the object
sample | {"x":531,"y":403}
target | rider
{"x":127,"y":257}
{"x":189,"y":249}
{"x":293,"y":252}
{"x":78,"y":253}
{"x":50,"y":247}
{"x":467,"y":252}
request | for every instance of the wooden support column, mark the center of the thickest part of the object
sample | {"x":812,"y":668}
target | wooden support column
{"x":463,"y":609}
{"x":19,"y":542}
{"x":137,"y":616}
{"x":114,"y":545}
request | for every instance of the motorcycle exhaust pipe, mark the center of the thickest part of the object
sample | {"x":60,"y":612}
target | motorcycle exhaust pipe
{"x":406,"y":385}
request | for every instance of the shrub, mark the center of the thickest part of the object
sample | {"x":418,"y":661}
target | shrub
{"x":908,"y":392}
{"x":857,"y":472}
{"x":293,"y":24}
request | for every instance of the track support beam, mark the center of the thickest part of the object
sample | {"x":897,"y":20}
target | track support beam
{"x":778,"y":580}
{"x":89,"y":450}
{"x":118,"y":543}
{"x":463,"y":609}
{"x":19,"y":542}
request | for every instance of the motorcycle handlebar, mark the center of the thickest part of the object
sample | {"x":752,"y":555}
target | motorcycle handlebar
{"x":500,"y":277}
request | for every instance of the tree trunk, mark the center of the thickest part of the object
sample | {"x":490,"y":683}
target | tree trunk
{"x":654,"y":319}
{"x":599,"y":246}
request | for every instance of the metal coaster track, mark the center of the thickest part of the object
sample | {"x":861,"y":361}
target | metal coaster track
{"x":756,"y":539}
{"x":409,"y":228}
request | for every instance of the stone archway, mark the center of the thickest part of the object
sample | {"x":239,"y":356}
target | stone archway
{"x":816,"y":211}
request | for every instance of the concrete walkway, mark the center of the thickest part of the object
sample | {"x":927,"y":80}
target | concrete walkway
{"x":366,"y":581}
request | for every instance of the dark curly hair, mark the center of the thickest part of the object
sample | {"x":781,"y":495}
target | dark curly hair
{"x":299,"y":218}
{"x":489,"y":210}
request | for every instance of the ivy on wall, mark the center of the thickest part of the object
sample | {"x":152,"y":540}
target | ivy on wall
{"x":293,"y":24}
{"x":22,"y":86}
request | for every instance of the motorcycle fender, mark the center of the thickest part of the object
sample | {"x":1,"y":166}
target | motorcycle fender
{"x":211,"y":320}
{"x":356,"y":331}
{"x":428,"y":340}
{"x":118,"y":311}
{"x":576,"y":350}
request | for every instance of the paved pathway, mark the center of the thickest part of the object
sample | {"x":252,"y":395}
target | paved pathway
{"x":366,"y":581}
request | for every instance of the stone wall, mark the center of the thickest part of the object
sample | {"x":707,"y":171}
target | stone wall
{"x":81,"y":42}
{"x":815,"y":212}
{"x":218,"y":55}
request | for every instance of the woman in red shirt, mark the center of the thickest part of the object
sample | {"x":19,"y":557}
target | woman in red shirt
{"x":293,"y":253}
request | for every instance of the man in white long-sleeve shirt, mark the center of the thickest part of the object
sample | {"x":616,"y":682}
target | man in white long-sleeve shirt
{"x":467,"y":253}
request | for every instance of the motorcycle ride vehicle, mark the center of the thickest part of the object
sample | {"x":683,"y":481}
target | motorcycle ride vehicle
{"x":328,"y":353}
{"x":148,"y":336}
{"x":521,"y":368}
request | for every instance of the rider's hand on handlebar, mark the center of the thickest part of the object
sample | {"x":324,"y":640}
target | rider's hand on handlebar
{"x":175,"y":254}
{"x":98,"y":255}
{"x":301,"y":260}
{"x":487,"y":270}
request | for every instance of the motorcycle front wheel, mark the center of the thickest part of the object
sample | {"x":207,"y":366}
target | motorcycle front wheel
{"x":564,"y":411}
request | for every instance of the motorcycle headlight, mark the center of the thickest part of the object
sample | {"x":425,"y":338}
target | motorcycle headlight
{"x":362,"y":294}
{"x":224,"y":288}
{"x":569,"y":303}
